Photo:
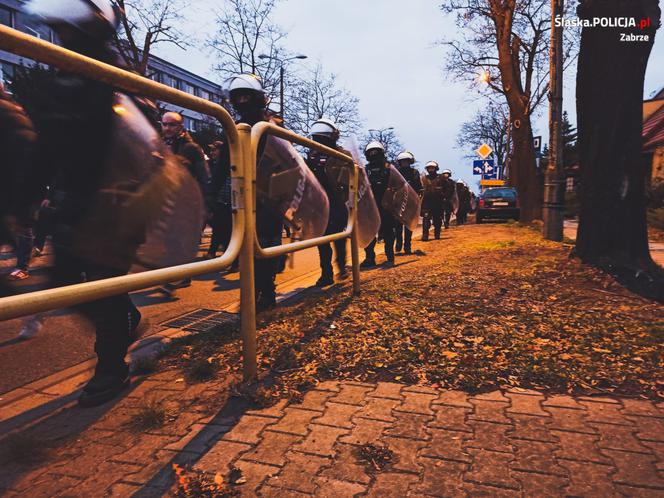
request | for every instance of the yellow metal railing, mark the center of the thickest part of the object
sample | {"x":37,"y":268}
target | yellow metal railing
{"x":243,"y":141}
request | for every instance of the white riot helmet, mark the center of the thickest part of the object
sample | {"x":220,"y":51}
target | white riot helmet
{"x":406,"y":155}
{"x":374,"y":144}
{"x":244,"y":82}
{"x":447,"y":171}
{"x":325,"y":128}
{"x":96,"y":17}
{"x":431,"y":165}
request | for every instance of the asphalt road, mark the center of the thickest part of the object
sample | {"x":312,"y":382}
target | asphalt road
{"x":67,"y":339}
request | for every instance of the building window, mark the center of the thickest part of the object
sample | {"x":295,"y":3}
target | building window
{"x":570,"y":184}
{"x":176,"y":83}
{"x":186,"y":87}
{"x":155,"y":75}
{"x":167,"y":79}
{"x":6,"y":17}
{"x":204,"y":94}
{"x":7,"y":74}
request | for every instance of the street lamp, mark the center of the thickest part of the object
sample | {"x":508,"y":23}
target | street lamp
{"x":381,"y":131}
{"x":281,"y":78}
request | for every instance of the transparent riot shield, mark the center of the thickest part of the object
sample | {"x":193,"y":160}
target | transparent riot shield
{"x":368,"y":215}
{"x":455,"y":200}
{"x":146,"y":199}
{"x":401,"y":200}
{"x":284,"y":182}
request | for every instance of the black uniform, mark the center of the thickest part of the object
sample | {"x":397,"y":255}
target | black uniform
{"x":323,"y":166}
{"x":222,"y":209}
{"x":192,"y":157}
{"x":432,"y":205}
{"x":74,"y":116}
{"x":379,"y":175}
{"x":403,"y":234}
{"x":17,"y":143}
{"x":448,"y":189}
{"x":464,"y":203}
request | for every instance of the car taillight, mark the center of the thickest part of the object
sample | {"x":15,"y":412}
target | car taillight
{"x":481,"y":203}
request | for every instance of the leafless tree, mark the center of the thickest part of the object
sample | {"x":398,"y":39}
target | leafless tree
{"x":318,"y":95}
{"x":145,"y":24}
{"x":388,"y":138}
{"x":489,"y":126}
{"x":245,"y":32}
{"x":505,"y":45}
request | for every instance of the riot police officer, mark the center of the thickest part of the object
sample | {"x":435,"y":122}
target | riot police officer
{"x":448,"y":192}
{"x":405,"y":161}
{"x":463,"y":192}
{"x":329,"y":173}
{"x":378,"y":171}
{"x":249,"y":101}
{"x":432,"y":201}
{"x":76,"y":125}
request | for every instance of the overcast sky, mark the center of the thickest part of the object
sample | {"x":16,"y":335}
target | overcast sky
{"x":385,"y":52}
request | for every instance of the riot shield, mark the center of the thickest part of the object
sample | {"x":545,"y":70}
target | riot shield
{"x":284,"y":182}
{"x":368,"y":215}
{"x":146,"y":199}
{"x":401,"y":200}
{"x":455,"y":200}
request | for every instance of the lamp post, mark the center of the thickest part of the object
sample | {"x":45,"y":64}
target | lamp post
{"x":281,"y":79}
{"x":380,"y":132}
{"x":554,"y":178}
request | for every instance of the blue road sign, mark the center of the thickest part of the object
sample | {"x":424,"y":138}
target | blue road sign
{"x":483,"y":167}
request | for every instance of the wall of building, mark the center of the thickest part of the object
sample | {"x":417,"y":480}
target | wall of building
{"x":12,"y":15}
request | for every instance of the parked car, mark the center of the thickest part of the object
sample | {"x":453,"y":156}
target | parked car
{"x":498,"y":203}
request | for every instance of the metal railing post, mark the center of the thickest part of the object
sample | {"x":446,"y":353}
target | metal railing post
{"x":354,"y":237}
{"x":247,"y":270}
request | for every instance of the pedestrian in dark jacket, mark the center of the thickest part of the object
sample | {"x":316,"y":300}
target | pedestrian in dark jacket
{"x":189,"y":152}
{"x":220,"y":188}
{"x":18,"y":190}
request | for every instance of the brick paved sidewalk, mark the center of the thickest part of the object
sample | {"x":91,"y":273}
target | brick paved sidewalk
{"x":445,"y":443}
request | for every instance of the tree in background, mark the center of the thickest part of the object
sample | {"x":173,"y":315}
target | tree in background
{"x":505,"y":45}
{"x":489,"y":126}
{"x":245,"y":31}
{"x":145,"y":24}
{"x":316,"y":96}
{"x":610,"y":79}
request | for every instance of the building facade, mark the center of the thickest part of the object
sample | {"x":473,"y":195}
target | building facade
{"x":12,"y":14}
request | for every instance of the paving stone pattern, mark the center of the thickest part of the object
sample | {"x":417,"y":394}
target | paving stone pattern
{"x":445,"y":444}
{"x":514,"y":443}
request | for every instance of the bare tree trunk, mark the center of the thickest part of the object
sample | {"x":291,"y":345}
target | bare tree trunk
{"x":613,"y":229}
{"x":523,"y":174}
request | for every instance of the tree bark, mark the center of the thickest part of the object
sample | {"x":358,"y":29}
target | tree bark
{"x":612,"y":223}
{"x":522,"y":166}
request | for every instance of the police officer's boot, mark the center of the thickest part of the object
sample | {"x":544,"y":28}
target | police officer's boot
{"x":326,"y":278}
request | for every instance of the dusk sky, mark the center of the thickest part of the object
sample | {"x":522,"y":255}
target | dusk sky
{"x":385,"y":53}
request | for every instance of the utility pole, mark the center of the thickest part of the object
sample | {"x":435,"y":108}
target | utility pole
{"x":554,"y":182}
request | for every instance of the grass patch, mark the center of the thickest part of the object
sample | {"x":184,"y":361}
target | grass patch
{"x":200,"y":370}
{"x":151,"y":415}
